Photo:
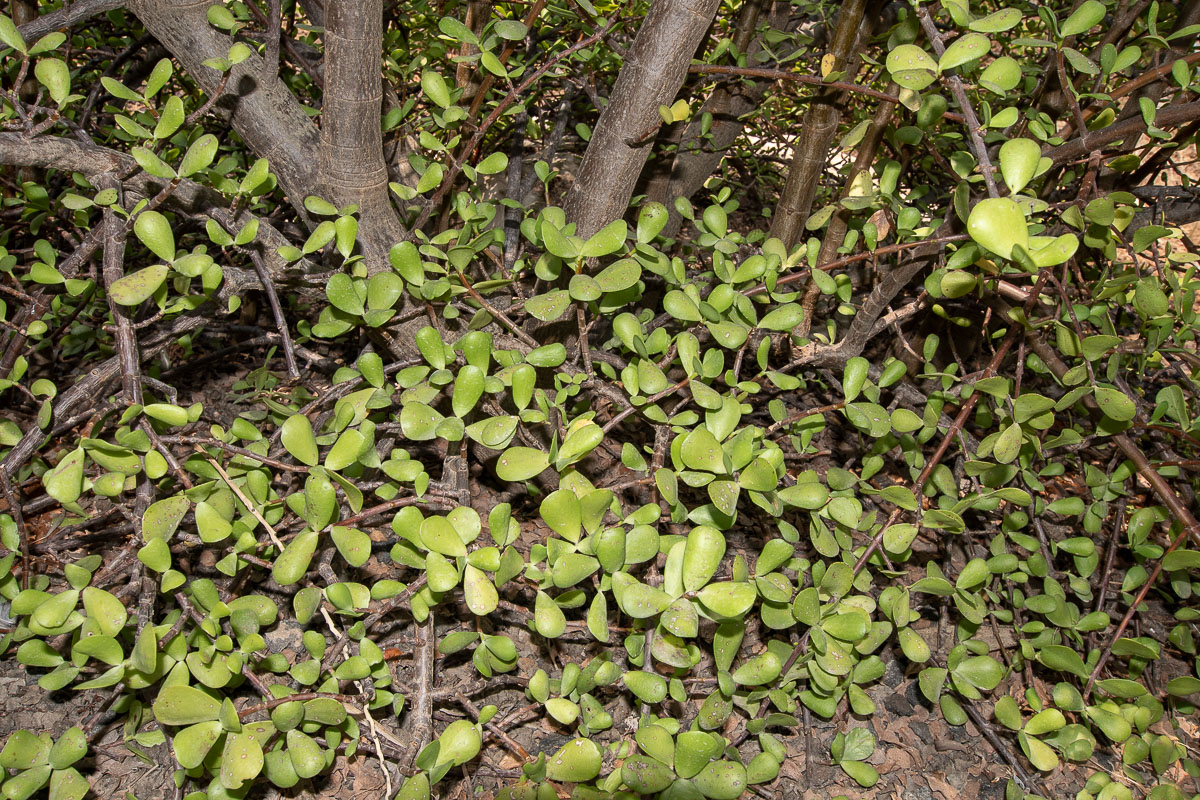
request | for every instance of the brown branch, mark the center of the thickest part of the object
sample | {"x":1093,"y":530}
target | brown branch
{"x":1184,"y":535}
{"x":863,"y":328}
{"x":808,"y":80}
{"x":274,"y":30}
{"x":1171,"y":116}
{"x":964,"y":104}
{"x":839,"y":223}
{"x":87,"y":389}
{"x":232,"y":448}
{"x":285,"y":338}
{"x":493,"y":728}
{"x":864,"y":256}
{"x":817,"y":129}
{"x":803,"y":414}
{"x":113,"y":270}
{"x":509,"y":47}
{"x":187,"y":197}
{"x":301,"y":697}
{"x":700,"y":148}
{"x":454,"y":166}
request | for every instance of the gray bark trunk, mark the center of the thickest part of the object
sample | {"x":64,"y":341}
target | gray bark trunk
{"x":652,"y":74}
{"x":352,"y":169}
{"x":266,"y":115}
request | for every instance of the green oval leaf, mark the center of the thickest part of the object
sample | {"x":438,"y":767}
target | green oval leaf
{"x":434,"y":87}
{"x":55,"y":76}
{"x":998,"y":21}
{"x":298,"y":439}
{"x":293,"y":562}
{"x":1019,"y":162}
{"x":577,"y":761}
{"x":967,"y":47}
{"x":136,"y":287}
{"x":521,"y":463}
{"x":1089,"y":13}
{"x":459,"y":743}
{"x":155,"y":232}
{"x":184,"y":705}
{"x":998,"y":225}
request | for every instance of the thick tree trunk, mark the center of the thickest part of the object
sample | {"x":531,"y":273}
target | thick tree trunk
{"x":352,"y":169}
{"x":697,"y":156}
{"x":652,"y":74}
{"x":267,"y":116}
{"x":817,"y":129}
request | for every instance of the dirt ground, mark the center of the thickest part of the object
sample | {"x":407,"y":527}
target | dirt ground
{"x":918,"y":755}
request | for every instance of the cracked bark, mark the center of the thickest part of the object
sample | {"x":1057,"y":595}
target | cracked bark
{"x":654,"y":70}
{"x":35,"y":27}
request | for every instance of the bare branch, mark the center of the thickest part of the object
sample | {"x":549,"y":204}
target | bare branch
{"x":70,"y":14}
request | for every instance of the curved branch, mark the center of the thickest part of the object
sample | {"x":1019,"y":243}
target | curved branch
{"x":1168,"y":117}
{"x":265,"y":114}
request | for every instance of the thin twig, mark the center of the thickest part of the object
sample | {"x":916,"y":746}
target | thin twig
{"x":516,"y":749}
{"x":285,"y":338}
{"x":800,"y":77}
{"x":455,"y":165}
{"x":234,"y":449}
{"x":960,"y":95}
{"x":241,"y":496}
